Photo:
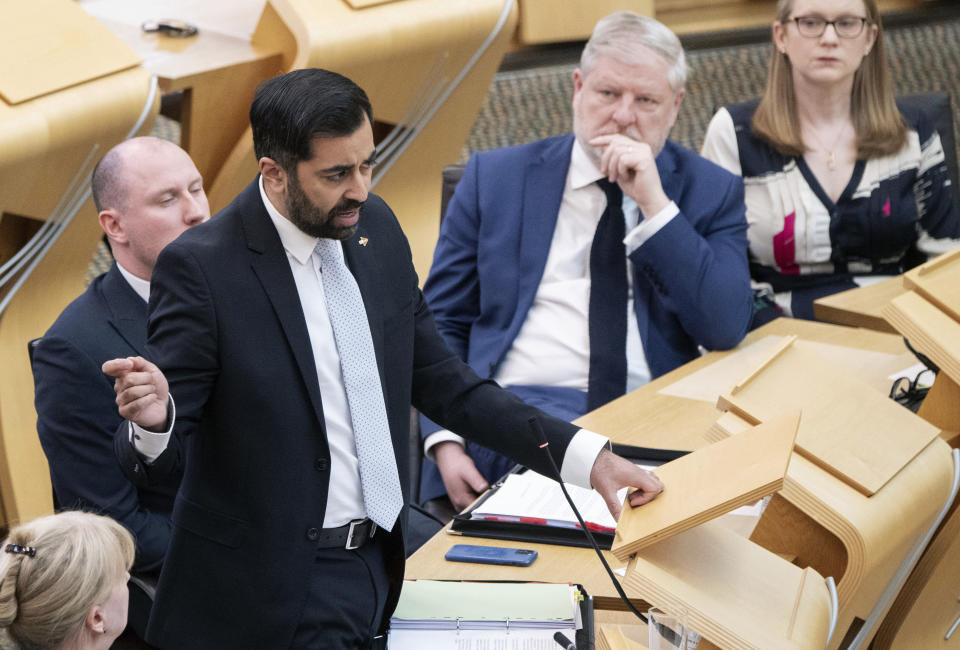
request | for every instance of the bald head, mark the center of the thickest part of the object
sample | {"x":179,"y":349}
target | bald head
{"x":147,"y":192}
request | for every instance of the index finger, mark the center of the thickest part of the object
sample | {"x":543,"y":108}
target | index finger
{"x":117,"y":367}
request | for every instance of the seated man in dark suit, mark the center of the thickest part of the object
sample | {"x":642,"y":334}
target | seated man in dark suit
{"x":574,"y":269}
{"x":147,"y":192}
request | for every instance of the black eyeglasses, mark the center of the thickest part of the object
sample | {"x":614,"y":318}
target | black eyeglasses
{"x":844,"y":26}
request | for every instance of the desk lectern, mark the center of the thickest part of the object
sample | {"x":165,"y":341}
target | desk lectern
{"x":728,"y":589}
{"x":926,"y":613}
{"x":866,"y":487}
{"x":69,"y":90}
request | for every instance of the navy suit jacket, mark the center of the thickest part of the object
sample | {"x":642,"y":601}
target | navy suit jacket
{"x":77,"y":414}
{"x":227,"y":328}
{"x":691,"y":282}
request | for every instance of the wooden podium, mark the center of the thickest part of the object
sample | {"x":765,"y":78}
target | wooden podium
{"x":69,"y":90}
{"x":720,"y":584}
{"x":927,"y":610}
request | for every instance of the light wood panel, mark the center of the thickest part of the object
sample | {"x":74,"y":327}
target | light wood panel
{"x":426,"y":66}
{"x":65,"y":47}
{"x":860,"y":307}
{"x":547,"y":21}
{"x":733,"y":592}
{"x":217,"y":72}
{"x":849,"y":429}
{"x":46,"y":145}
{"x":927,"y":609}
{"x":701,"y":486}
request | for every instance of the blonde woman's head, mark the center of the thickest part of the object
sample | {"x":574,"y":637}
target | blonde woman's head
{"x":63,"y":581}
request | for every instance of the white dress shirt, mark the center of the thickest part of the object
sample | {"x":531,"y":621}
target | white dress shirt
{"x":345,"y":496}
{"x":552,"y":347}
{"x":139,"y":285}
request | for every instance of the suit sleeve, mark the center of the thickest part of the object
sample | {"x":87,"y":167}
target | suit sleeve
{"x":453,"y":289}
{"x":76,"y":420}
{"x":700,"y":272}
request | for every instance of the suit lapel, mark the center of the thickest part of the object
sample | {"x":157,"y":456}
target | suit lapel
{"x":269,"y":262}
{"x":542,"y":194}
{"x":128,"y":311}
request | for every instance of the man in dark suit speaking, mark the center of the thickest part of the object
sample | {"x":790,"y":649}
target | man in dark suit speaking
{"x":294,"y":339}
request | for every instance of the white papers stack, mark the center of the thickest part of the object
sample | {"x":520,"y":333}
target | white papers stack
{"x":532,"y":498}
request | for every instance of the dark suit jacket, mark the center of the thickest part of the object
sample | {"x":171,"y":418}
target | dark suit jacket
{"x":77,"y":414}
{"x":227,"y":328}
{"x":691,"y":282}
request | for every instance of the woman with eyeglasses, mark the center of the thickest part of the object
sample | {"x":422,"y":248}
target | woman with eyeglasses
{"x":841,"y":186}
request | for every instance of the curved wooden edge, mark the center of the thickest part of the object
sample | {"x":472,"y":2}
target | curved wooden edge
{"x":114,"y":105}
{"x":732,"y":591}
{"x":401,"y":54}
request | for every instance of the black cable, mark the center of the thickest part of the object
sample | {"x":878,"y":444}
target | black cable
{"x":538,"y":432}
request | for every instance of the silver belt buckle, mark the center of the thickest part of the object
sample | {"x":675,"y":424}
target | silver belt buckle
{"x":353,"y":526}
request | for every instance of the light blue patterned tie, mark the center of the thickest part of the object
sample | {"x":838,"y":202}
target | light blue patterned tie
{"x":358,"y":365}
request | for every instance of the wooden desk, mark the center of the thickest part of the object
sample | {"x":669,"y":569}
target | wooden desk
{"x":861,"y":307}
{"x":218,"y":70}
{"x":858,"y":545}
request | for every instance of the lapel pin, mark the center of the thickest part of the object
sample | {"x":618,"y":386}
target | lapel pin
{"x":363,"y":241}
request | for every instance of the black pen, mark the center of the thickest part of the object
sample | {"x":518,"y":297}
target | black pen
{"x":564,"y":642}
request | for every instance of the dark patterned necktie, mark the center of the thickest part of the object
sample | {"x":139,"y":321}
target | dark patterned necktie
{"x":608,"y":303}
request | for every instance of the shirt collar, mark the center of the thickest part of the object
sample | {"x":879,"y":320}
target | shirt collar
{"x":141,"y":286}
{"x":583,"y":171}
{"x":297,"y":243}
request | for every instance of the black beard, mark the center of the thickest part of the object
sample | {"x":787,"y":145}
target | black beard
{"x":310,"y":219}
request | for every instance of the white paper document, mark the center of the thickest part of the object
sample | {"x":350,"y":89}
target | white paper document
{"x":529,"y":497}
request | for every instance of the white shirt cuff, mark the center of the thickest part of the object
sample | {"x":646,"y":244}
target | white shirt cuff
{"x":649,"y":227}
{"x":581,"y":454}
{"x":148,"y":443}
{"x":437,"y":437}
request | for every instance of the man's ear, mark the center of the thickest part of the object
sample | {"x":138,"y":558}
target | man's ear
{"x":112,"y":225}
{"x":274,"y":176}
{"x":95,"y":622}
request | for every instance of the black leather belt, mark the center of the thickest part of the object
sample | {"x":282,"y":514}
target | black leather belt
{"x":349,"y":536}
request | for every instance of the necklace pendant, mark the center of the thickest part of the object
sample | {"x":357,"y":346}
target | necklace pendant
{"x":831,"y":161}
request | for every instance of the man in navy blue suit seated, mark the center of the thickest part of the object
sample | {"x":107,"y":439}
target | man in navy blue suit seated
{"x":574,"y":269}
{"x":147,"y":192}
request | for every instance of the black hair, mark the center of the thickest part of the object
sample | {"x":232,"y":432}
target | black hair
{"x":289,"y":111}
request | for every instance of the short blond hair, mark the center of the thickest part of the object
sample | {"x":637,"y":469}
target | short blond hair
{"x":879,"y":127}
{"x":46,"y":594}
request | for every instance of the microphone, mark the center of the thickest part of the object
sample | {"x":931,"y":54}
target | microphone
{"x":537,"y":431}
{"x":564,"y":642}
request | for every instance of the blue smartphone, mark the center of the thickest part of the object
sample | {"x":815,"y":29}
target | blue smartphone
{"x":491,"y":555}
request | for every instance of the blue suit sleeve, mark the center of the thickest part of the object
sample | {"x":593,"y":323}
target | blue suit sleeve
{"x":76,"y":419}
{"x":453,"y":289}
{"x":698,"y":267}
